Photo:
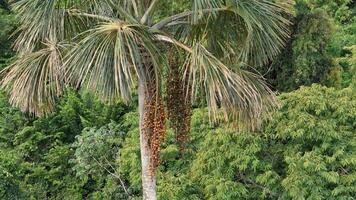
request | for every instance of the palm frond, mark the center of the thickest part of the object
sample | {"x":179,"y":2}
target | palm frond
{"x":267,"y":28}
{"x":56,"y":19}
{"x":35,"y":79}
{"x":200,"y":5}
{"x":253,"y":31}
{"x":41,"y":20}
{"x":132,"y":6}
{"x":110,"y":57}
{"x":98,"y":7}
{"x":241,"y":95}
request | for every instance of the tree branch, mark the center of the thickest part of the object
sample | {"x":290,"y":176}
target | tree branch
{"x":113,"y":174}
{"x":254,"y":184}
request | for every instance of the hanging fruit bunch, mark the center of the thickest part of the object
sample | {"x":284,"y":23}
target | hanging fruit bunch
{"x":178,"y":100}
{"x":154,"y":125}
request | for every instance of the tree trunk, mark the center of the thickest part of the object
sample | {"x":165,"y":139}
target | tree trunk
{"x":148,"y":178}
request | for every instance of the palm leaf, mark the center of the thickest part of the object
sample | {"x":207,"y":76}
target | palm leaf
{"x":56,"y":19}
{"x":241,"y":95}
{"x":250,"y":30}
{"x":110,"y":57}
{"x":267,"y":29}
{"x":200,"y":5}
{"x":35,"y":79}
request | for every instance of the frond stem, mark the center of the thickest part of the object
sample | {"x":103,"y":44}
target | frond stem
{"x":173,"y":18}
{"x":123,"y":12}
{"x":164,"y":38}
{"x":79,"y":13}
{"x":148,"y":11}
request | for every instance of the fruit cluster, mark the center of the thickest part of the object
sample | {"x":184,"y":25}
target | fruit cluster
{"x":178,"y":101}
{"x":154,"y":124}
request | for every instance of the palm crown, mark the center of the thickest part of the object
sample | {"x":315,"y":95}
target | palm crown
{"x":104,"y":44}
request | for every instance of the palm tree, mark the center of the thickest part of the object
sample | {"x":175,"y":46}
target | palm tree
{"x":114,"y":46}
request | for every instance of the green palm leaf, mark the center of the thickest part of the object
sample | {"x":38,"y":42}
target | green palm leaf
{"x":36,"y":79}
{"x":111,"y":56}
{"x":250,"y":30}
{"x":241,"y":95}
{"x":267,"y":29}
{"x":56,"y":19}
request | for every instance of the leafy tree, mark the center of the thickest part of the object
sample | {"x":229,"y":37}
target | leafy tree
{"x":95,"y":155}
{"x":107,"y":45}
{"x":310,"y":136}
{"x":347,"y":61}
{"x":316,"y":130}
{"x":344,"y":14}
{"x":306,"y":59}
{"x":7,"y":24}
{"x":9,"y":171}
{"x":341,"y":10}
{"x":37,"y":151}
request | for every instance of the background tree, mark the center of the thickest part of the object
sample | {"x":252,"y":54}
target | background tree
{"x":306,"y":59}
{"x":37,"y":152}
{"x":268,"y":165}
{"x":318,"y":48}
{"x":7,"y":22}
{"x":107,"y":45}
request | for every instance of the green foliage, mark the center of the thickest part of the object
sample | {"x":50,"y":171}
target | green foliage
{"x":343,"y":11}
{"x":171,"y":7}
{"x":323,"y":32}
{"x":311,"y":62}
{"x":9,"y":170}
{"x":343,"y":40}
{"x":41,"y":148}
{"x":7,"y":24}
{"x":306,"y":59}
{"x":96,"y":153}
{"x":348,"y":61}
{"x":233,"y":175}
{"x":316,"y":130}
{"x":307,"y":151}
{"x":95,"y":147}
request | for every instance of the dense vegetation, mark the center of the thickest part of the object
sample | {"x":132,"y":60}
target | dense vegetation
{"x":306,"y":150}
{"x":90,"y":151}
{"x":320,"y":48}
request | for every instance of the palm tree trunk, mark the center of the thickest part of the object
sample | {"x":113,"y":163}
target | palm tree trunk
{"x":148,"y":177}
